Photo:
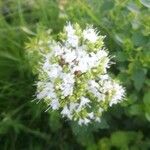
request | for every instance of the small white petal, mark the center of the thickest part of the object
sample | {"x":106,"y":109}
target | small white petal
{"x":55,"y":104}
{"x":90,"y":34}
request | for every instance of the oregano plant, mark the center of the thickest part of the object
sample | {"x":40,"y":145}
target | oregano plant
{"x":73,"y":76}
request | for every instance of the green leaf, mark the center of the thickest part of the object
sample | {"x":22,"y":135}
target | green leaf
{"x":146,"y":101}
{"x":119,"y":139}
{"x":147,"y":115}
{"x":139,"y":78}
{"x":135,"y":109}
{"x":146,"y":98}
{"x":146,"y":3}
{"x":138,"y":39}
{"x":27,"y":30}
{"x":133,"y":7}
{"x":104,"y":144}
{"x":121,"y":56}
{"x":55,"y":123}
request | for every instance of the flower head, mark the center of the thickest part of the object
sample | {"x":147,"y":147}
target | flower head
{"x":73,"y":77}
{"x":90,"y":34}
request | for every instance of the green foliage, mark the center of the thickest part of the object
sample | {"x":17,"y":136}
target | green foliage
{"x":25,"y":125}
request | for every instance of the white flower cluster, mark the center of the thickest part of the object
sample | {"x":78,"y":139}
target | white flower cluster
{"x":73,"y":76}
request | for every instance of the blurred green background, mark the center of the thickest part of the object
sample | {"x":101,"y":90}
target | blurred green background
{"x":24,"y":125}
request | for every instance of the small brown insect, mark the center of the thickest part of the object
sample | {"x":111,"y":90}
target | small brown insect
{"x":78,"y":73}
{"x":62,"y":62}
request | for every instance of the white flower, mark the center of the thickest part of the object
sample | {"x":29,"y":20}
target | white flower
{"x":93,"y":83}
{"x":73,"y":106}
{"x":68,"y":84}
{"x":91,"y":115}
{"x":54,"y":71}
{"x":84,"y":121}
{"x":100,"y":110}
{"x":98,"y":119}
{"x":69,"y":29}
{"x":73,"y":40}
{"x":107,"y":86}
{"x":84,"y":102}
{"x":82,"y":66}
{"x":104,"y":77}
{"x":93,"y":60}
{"x":58,"y":50}
{"x":106,"y":64}
{"x":119,"y":94}
{"x":47,"y":89}
{"x":101,"y":54}
{"x":81,"y":63}
{"x":67,"y":89}
{"x":55,"y":104}
{"x":66,"y":112}
{"x":73,"y":78}
{"x":46,"y":65}
{"x":90,"y":34}
{"x":94,"y":88}
{"x":42,"y":94}
{"x":69,"y":56}
{"x":81,"y":121}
